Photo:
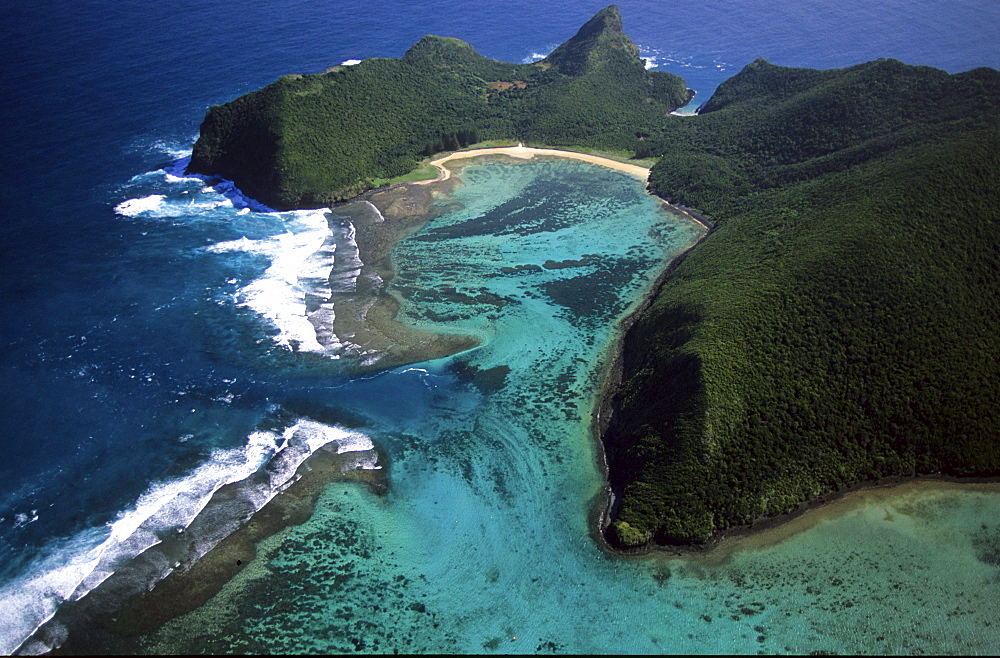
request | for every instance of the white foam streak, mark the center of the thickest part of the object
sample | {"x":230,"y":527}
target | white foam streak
{"x":159,"y":206}
{"x":30,"y":602}
{"x":172,"y":504}
{"x":378,"y":213}
{"x":77,"y":565}
{"x":534,"y":57}
{"x":172,"y":178}
{"x":280,"y":295}
{"x":310,"y":261}
{"x":173,"y":150}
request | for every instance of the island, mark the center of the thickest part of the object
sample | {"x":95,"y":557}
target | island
{"x":837,"y":326}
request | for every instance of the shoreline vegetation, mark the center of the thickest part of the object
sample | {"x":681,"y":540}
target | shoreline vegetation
{"x":772,"y":530}
{"x":307,"y":141}
{"x":827,"y":341}
{"x":396,"y":198}
{"x":836,"y":326}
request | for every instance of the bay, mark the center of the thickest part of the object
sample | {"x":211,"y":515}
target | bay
{"x":128,"y":360}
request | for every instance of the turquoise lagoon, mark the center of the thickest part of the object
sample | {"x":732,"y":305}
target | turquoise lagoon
{"x":484,"y":542}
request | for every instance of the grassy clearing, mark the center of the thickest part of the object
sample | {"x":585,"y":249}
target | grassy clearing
{"x":618,"y":155}
{"x":425,"y":171}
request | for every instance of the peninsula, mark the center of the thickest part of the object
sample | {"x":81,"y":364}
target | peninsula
{"x":837,"y":326}
{"x":307,"y":141}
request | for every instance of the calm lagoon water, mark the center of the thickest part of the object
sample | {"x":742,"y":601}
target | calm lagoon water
{"x":146,"y":319}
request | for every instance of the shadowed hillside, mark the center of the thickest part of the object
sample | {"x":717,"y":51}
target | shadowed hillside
{"x":840,"y":323}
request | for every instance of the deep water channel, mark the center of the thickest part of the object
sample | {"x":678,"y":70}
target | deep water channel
{"x":481,"y":542}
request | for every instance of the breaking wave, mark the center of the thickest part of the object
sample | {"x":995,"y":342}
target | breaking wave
{"x":313,"y":254}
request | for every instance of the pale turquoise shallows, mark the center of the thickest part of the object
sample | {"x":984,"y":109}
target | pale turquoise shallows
{"x":483,"y":544}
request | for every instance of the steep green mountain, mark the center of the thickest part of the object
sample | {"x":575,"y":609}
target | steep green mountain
{"x":839,"y":325}
{"x":600,"y":43}
{"x":310,"y":140}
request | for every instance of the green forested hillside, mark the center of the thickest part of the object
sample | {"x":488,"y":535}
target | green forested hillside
{"x":838,"y":325}
{"x":841,"y":323}
{"x":309,"y":140}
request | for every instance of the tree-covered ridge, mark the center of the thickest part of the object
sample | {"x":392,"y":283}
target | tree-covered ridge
{"x":840,"y":323}
{"x":310,"y":140}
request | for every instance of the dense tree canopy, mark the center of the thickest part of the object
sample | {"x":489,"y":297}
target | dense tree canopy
{"x":840,"y":323}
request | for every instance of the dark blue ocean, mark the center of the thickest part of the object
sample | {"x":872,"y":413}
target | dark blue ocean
{"x":133,"y":357}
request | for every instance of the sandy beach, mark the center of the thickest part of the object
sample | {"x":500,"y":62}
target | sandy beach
{"x":528,"y":152}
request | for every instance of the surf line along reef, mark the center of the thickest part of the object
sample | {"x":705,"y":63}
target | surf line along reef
{"x":838,"y":325}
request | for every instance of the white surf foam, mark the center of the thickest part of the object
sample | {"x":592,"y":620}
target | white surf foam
{"x":298,"y":274}
{"x":537,"y":55}
{"x":73,"y":567}
{"x":161,"y":206}
{"x":378,"y":213}
{"x":174,"y":149}
{"x":174,"y":178}
{"x":309,"y":263}
{"x":135,"y":207}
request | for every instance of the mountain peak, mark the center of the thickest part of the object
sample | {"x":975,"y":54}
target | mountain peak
{"x":606,"y":20}
{"x":601,"y":38}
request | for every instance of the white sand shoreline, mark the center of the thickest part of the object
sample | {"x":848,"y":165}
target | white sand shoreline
{"x":528,"y":152}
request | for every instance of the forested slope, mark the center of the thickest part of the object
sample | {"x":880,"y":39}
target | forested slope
{"x":309,"y":140}
{"x":841,"y":323}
